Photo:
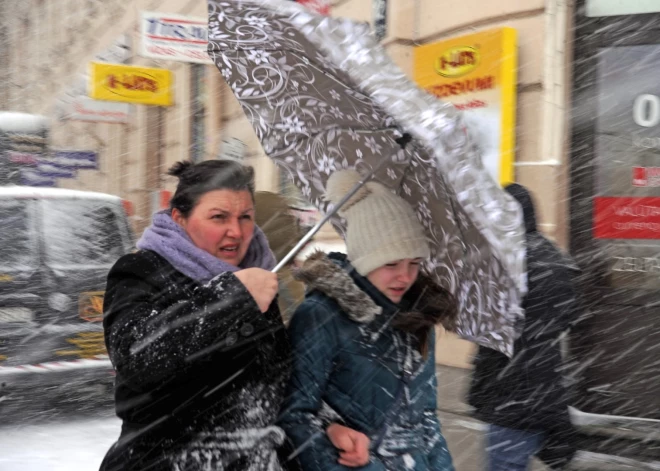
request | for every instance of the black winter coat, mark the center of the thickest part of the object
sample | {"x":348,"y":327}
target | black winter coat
{"x":201,"y":371}
{"x":527,"y":391}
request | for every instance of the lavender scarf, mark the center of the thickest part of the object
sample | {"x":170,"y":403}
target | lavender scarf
{"x":170,"y":241}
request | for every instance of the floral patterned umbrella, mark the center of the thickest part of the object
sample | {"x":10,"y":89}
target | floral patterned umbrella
{"x":322,"y":95}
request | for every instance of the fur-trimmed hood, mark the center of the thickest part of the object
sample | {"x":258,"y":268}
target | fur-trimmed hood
{"x":425,"y":304}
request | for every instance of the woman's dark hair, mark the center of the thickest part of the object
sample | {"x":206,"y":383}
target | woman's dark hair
{"x":197,"y":179}
{"x":431,"y":305}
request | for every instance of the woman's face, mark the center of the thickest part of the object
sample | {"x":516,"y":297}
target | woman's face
{"x":222,"y":223}
{"x":396,"y":278}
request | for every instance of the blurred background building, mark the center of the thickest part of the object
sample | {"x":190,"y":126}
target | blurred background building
{"x":563,"y":96}
{"x":46,"y":47}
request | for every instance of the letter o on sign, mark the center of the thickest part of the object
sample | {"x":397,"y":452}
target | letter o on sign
{"x":646,"y":110}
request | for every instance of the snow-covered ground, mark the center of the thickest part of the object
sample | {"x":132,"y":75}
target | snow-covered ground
{"x":76,"y":445}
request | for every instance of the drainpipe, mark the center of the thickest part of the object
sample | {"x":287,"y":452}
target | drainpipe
{"x":552,"y":146}
{"x":417,"y":12}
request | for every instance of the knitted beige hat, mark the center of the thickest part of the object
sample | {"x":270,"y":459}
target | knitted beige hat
{"x":381,"y":227}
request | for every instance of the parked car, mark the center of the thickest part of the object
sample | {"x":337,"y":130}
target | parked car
{"x":56,"y":247}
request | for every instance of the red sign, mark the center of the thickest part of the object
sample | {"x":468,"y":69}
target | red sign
{"x":23,"y":158}
{"x":646,"y":176}
{"x":319,"y":6}
{"x":626,"y":218}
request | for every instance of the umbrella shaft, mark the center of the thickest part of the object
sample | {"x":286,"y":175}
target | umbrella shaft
{"x":326,"y":218}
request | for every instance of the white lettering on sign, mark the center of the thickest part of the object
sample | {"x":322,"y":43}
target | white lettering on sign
{"x":638,"y":211}
{"x":636,"y":264}
{"x":174,"y":37}
{"x":638,"y":226}
{"x":646,"y":110}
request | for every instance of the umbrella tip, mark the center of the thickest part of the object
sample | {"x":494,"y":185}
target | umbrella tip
{"x":403,"y":140}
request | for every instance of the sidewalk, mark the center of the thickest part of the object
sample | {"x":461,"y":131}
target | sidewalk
{"x":465,"y":435}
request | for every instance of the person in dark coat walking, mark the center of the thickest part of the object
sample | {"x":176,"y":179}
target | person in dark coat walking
{"x":524,"y":398}
{"x":364,"y":341}
{"x":198,"y":344}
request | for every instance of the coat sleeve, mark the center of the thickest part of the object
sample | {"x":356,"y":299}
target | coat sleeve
{"x":552,"y":304}
{"x":314,"y":341}
{"x":438,"y":455}
{"x":148,"y":346}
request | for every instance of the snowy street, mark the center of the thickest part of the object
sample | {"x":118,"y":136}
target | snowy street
{"x":77,"y":445}
{"x":80,"y":444}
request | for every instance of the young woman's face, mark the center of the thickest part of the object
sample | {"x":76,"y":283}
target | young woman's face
{"x":395,"y":279}
{"x":222,"y":223}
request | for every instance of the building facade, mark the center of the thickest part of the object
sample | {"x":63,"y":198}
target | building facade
{"x":47,"y":46}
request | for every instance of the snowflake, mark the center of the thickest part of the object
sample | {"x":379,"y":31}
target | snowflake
{"x":291,"y":125}
{"x":391,"y":173}
{"x":258,"y":56}
{"x":449,"y":214}
{"x":336,"y":112}
{"x":226,"y":73}
{"x":335,"y":95}
{"x":257,"y":22}
{"x":354,"y":135}
{"x":370,"y":142}
{"x":327,"y":165}
{"x":463,"y":219}
{"x":501,"y":302}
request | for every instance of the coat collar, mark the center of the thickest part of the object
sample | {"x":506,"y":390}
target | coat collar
{"x":335,"y":277}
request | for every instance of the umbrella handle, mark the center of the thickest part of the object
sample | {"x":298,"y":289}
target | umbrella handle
{"x":312,"y":232}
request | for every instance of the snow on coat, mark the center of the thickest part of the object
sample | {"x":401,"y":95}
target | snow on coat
{"x":527,"y":391}
{"x":201,"y":371}
{"x":348,"y":356}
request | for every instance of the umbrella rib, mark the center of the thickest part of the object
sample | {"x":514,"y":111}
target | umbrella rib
{"x":312,"y":63}
{"x":334,"y":128}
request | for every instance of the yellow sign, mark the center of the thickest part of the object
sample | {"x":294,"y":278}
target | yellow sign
{"x":90,"y":306}
{"x":457,"y":61}
{"x":127,"y":83}
{"x":478,"y":74}
{"x":89,"y":345}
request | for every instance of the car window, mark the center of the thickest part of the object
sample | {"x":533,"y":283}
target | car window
{"x":81,"y":232}
{"x":17,"y":243}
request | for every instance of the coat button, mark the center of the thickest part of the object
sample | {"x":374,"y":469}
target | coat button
{"x":247,"y":329}
{"x":231,"y":339}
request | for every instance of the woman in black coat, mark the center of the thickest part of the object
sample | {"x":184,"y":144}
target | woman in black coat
{"x":200,"y":351}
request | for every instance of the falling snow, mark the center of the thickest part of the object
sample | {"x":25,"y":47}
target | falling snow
{"x":80,"y":179}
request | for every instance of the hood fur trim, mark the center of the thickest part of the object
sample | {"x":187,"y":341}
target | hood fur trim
{"x":321,"y":273}
{"x":431,"y":304}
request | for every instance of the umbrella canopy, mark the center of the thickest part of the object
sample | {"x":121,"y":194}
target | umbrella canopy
{"x":322,"y":96}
